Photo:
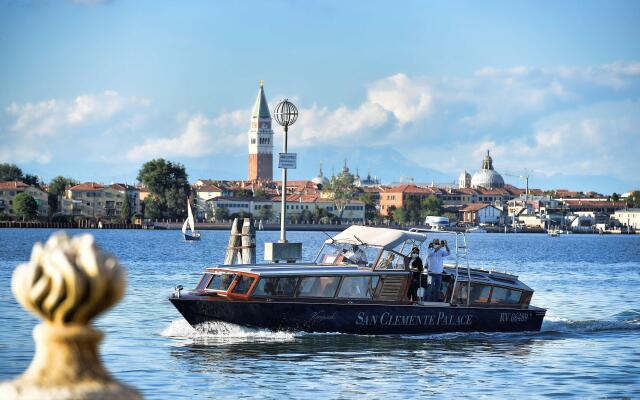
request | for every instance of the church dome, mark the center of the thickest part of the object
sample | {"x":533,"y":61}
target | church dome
{"x":487,"y":177}
{"x":320,"y":179}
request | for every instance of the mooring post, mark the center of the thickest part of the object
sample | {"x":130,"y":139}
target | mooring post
{"x":67,"y":283}
{"x":248,"y":242}
{"x":235,"y":241}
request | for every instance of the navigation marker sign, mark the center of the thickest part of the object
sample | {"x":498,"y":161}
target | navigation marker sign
{"x":287,"y":160}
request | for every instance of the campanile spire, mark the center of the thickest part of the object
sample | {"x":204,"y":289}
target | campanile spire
{"x":260,"y":139}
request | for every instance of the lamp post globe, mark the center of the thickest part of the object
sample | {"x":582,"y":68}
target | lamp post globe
{"x":286,"y":115}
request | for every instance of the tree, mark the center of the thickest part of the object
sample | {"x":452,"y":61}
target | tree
{"x":25,"y":206}
{"x":57,"y":187}
{"x":10,"y":172}
{"x":615,"y":196}
{"x":125,"y":210}
{"x":260,"y":193}
{"x":222,"y":213}
{"x":370,"y":210}
{"x":168,"y":189}
{"x":400,"y":215}
{"x":342,"y":189}
{"x":31,"y":180}
{"x":265,"y":213}
{"x":243,"y":193}
{"x":634,"y":199}
{"x":432,"y":206}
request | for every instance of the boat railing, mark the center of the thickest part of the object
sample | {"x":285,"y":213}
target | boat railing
{"x":460,"y":244}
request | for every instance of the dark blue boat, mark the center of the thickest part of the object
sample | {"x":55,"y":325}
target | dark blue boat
{"x":362,"y":291}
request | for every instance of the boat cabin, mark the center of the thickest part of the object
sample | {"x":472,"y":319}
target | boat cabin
{"x":365,"y":265}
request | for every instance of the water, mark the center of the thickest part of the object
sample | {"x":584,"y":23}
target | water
{"x":589,"y":345}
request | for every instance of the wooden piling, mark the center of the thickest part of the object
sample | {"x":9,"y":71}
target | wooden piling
{"x":248,"y":242}
{"x":235,"y":242}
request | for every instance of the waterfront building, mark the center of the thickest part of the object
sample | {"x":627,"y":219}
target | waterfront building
{"x":480,"y":213}
{"x":9,"y":190}
{"x":396,"y":196}
{"x":94,"y":200}
{"x":487,"y":177}
{"x":260,"y":140}
{"x":296,"y":205}
{"x":628,"y":218}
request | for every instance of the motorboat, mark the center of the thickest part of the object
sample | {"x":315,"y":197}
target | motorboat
{"x":190,"y":223}
{"x":367,"y":294}
{"x":476,"y":229}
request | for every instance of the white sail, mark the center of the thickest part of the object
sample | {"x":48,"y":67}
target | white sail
{"x":184,"y":226}
{"x":190,"y":217}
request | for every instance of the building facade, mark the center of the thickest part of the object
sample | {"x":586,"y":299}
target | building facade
{"x":260,"y":140}
{"x":9,"y":190}
{"x":94,"y":200}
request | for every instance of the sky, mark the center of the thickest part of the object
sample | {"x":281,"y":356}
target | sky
{"x":404,"y":89}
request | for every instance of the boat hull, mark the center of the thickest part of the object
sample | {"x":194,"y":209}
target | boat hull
{"x":189,"y":237}
{"x":358,"y":318}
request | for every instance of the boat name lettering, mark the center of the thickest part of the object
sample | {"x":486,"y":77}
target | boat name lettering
{"x":437,"y":319}
{"x":514,"y":317}
{"x":321,"y":316}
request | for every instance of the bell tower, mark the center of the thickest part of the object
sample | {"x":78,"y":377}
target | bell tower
{"x":260,"y":140}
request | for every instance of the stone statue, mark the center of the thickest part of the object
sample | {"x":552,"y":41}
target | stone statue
{"x":67,"y":283}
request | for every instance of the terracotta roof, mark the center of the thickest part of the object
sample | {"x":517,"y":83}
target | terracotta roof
{"x":13,"y":185}
{"x":408,"y":188}
{"x":123,"y":186}
{"x":208,"y":188}
{"x":595,"y":203}
{"x":476,"y":206}
{"x":87,"y":186}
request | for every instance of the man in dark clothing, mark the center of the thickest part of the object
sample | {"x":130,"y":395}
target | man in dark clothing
{"x":416,"y":268}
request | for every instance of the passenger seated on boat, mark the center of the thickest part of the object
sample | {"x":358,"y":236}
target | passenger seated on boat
{"x":356,"y":255}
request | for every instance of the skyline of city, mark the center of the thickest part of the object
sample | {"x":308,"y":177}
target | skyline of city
{"x":94,"y":90}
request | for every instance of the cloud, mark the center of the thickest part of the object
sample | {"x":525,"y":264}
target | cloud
{"x":408,"y":99}
{"x":48,"y":117}
{"x":200,"y":136}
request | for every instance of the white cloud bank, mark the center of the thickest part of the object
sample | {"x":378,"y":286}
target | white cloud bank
{"x":564,"y":119}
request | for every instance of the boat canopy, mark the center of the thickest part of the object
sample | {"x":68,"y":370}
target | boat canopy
{"x":379,"y":237}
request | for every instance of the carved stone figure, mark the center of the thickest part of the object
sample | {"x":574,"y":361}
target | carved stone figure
{"x":67,"y":283}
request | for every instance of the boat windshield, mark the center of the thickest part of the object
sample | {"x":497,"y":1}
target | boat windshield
{"x":346,"y":253}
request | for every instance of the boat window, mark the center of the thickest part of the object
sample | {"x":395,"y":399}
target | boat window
{"x":286,"y":286}
{"x":203,"y":281}
{"x":460,"y":296}
{"x":505,"y":296}
{"x":358,"y":287}
{"x":243,"y":284}
{"x":221,"y":281}
{"x":266,"y":287}
{"x":275,"y":287}
{"x":479,"y":294}
{"x":391,"y":261}
{"x":318,"y":286}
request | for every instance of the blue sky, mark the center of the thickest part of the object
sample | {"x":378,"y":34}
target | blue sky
{"x":92,"y":89}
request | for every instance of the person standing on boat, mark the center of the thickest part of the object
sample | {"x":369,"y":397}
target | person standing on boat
{"x":435,"y":256}
{"x":416,"y":267}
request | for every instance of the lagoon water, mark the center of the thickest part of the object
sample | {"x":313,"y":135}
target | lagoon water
{"x":589,"y":345}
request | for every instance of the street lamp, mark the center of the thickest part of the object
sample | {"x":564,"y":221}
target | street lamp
{"x":285,"y":115}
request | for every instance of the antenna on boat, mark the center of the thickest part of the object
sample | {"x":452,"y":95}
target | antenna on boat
{"x":358,"y":239}
{"x":330,"y":237}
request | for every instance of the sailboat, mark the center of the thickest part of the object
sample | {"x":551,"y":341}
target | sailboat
{"x":193,"y":235}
